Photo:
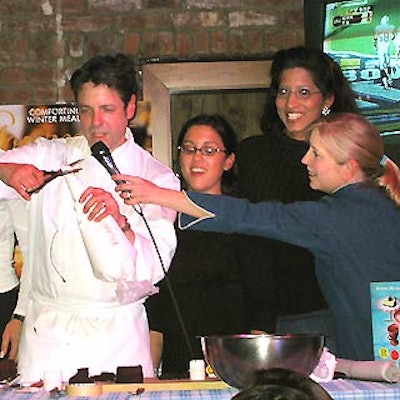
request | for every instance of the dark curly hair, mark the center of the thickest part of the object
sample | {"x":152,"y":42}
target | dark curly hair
{"x":282,"y":384}
{"x":116,"y":71}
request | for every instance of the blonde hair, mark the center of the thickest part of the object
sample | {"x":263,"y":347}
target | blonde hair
{"x":350,"y":136}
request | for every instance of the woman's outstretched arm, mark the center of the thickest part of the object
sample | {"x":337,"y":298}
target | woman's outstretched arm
{"x":136,"y":190}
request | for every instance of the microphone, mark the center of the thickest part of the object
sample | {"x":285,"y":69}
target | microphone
{"x":102,"y":154}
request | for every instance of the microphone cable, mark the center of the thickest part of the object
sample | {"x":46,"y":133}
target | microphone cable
{"x":102,"y":154}
{"x":139,"y":210}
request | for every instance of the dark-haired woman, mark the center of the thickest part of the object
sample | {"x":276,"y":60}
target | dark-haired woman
{"x":204,"y":274}
{"x":283,"y":294}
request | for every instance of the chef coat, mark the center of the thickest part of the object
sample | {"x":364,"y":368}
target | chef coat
{"x":73,"y":316}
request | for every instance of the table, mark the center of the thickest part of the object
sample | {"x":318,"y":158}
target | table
{"x":341,"y":389}
{"x":348,"y":389}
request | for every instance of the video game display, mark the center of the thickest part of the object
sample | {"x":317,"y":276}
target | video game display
{"x":363,"y":36}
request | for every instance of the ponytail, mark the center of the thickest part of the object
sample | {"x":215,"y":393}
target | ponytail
{"x":390,"y":179}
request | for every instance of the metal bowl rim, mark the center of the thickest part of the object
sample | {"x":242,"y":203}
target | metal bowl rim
{"x":268,"y":335}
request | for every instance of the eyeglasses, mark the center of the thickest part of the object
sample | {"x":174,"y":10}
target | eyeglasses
{"x":300,"y":94}
{"x":208,"y":151}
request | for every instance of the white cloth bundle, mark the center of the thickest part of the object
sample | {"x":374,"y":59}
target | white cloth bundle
{"x":385,"y":371}
{"x":111,"y":254}
{"x":325,"y":369}
{"x":380,"y":371}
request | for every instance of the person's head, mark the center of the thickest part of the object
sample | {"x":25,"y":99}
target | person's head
{"x":207,"y":145}
{"x":344,"y":148}
{"x":105,"y":89}
{"x":305,"y":83}
{"x":282,"y":384}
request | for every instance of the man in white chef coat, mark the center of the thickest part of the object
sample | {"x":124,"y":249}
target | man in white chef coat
{"x":85,"y":245}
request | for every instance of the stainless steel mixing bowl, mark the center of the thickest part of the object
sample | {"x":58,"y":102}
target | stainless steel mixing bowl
{"x":236,"y":358}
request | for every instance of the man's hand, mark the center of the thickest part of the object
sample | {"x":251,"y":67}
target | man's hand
{"x":11,"y":337}
{"x":99,"y":203}
{"x":22,"y":177}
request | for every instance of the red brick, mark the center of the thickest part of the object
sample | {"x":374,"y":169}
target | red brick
{"x":15,"y":95}
{"x":201,"y":42}
{"x":163,"y":3}
{"x":42,"y":75}
{"x":145,"y":21}
{"x":20,"y":50}
{"x":85,"y":23}
{"x":166,"y":41}
{"x":105,"y":42}
{"x":132,"y":43}
{"x":255,"y":41}
{"x":218,"y":42}
{"x":277,"y":40}
{"x":293,"y":20}
{"x":14,"y":76}
{"x":183,"y":44}
{"x":73,"y":7}
{"x":29,"y":26}
{"x":39,"y":50}
{"x":22,"y":7}
{"x":237,"y":42}
{"x":59,"y":49}
{"x":149,"y":44}
{"x":45,"y":94}
{"x":6,"y":51}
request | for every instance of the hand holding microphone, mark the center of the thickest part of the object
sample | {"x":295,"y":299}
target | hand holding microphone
{"x":102,"y":154}
{"x":144,"y":191}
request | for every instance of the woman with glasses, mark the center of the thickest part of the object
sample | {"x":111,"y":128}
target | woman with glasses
{"x":204,"y":273}
{"x":305,"y":84}
{"x":352,"y":230}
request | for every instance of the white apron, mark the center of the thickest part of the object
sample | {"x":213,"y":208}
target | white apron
{"x":73,"y":316}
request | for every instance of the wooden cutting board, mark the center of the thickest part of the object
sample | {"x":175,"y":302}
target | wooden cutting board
{"x":156,"y":385}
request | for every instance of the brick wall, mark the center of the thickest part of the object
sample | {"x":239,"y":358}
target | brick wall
{"x":42,"y":41}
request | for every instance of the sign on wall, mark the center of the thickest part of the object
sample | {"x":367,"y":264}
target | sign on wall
{"x":22,"y":124}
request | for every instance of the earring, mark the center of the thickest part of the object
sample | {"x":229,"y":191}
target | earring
{"x":325,"y":111}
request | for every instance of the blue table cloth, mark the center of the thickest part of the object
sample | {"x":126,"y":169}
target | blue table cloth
{"x":341,"y":389}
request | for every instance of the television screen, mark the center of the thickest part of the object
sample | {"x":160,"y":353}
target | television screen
{"x":363,"y":37}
